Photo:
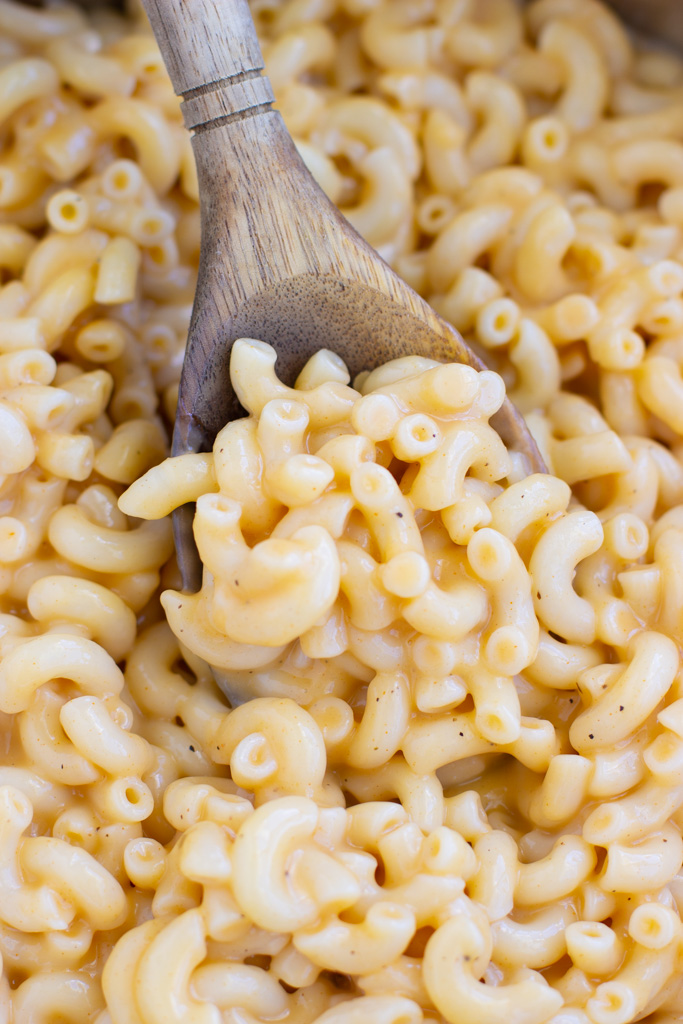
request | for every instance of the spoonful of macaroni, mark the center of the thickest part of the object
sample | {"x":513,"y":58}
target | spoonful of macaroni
{"x":278,"y":261}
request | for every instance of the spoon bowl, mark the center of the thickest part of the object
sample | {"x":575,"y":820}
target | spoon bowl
{"x":278,"y":261}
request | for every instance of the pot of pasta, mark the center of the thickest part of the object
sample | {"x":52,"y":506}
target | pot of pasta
{"x":446,"y":784}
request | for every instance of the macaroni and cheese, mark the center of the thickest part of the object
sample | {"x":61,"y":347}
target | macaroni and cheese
{"x":448,"y":784}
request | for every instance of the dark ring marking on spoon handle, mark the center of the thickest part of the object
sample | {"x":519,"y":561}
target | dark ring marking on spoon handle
{"x":228,"y":99}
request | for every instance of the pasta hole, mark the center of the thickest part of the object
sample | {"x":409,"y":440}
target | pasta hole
{"x":132,"y":795}
{"x":604,"y":821}
{"x":485,"y":557}
{"x":179,"y":721}
{"x":158,"y":340}
{"x":31,"y":371}
{"x":665,"y":749}
{"x":434,"y":213}
{"x":494,"y":723}
{"x":631,"y":345}
{"x":157,"y":254}
{"x":120,"y":181}
{"x":288,"y":412}
{"x":371,"y":486}
{"x":588,"y":261}
{"x":614,"y":1000}
{"x":259,"y":754}
{"x":152,"y":226}
{"x":131,"y":409}
{"x":17,"y":806}
{"x":433,"y":846}
{"x":53,"y":416}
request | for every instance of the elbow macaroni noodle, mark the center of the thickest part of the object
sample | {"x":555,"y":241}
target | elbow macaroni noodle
{"x":450,"y":784}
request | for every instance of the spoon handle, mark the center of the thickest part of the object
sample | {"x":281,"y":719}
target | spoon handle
{"x":213,"y":57}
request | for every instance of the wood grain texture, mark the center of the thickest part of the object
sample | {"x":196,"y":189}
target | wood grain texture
{"x":241,"y":97}
{"x":661,"y":18}
{"x":204,"y":41}
{"x":280,"y":263}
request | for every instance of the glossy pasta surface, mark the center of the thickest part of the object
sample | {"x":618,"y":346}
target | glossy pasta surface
{"x":450,"y":786}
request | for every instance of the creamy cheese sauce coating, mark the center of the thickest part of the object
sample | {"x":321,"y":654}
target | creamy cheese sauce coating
{"x":453,"y":790}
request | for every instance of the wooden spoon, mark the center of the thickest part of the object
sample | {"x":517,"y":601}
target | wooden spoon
{"x":278,"y":260}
